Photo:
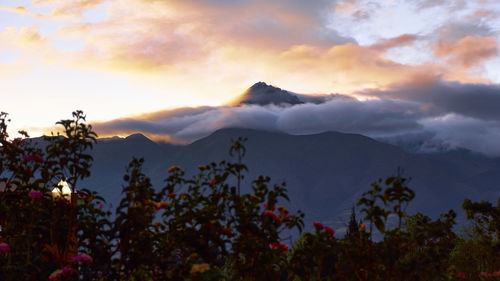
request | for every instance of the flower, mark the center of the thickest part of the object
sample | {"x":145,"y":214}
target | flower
{"x":461,"y":274}
{"x":37,"y":158}
{"x":26,"y":159}
{"x":273,"y":216}
{"x":55,"y":275}
{"x":485,"y":274}
{"x":35,"y":194}
{"x":61,"y":273}
{"x":226,"y":231}
{"x":362,"y":226}
{"x":173,"y":169}
{"x":265,"y":205}
{"x":4,"y":248}
{"x":171,"y":195}
{"x":329,"y":230}
{"x":200,"y":268}
{"x":318,"y":226}
{"x":32,"y":158}
{"x":278,"y":246}
{"x":284,"y":213}
{"x":81,"y":258}
{"x":161,"y":205}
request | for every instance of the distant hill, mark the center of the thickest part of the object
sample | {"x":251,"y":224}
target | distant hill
{"x":325,"y":173}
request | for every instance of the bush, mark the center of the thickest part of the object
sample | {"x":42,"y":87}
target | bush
{"x":203,"y":228}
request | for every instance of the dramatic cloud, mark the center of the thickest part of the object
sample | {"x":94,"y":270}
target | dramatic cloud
{"x":151,"y":55}
{"x":433,"y":117}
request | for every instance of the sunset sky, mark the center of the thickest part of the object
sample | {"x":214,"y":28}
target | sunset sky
{"x":125,"y":58}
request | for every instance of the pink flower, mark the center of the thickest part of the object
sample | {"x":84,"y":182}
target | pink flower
{"x":35,"y":194}
{"x":68,"y":270}
{"x":32,"y":158}
{"x":329,"y":230}
{"x":4,"y":248}
{"x":318,"y":226}
{"x":461,"y":274}
{"x":26,"y":159}
{"x":100,"y":206}
{"x":81,"y":258}
{"x":273,"y":216}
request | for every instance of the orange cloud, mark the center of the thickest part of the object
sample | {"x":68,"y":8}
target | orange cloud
{"x":402,"y":40}
{"x":18,"y":10}
{"x":468,"y":51}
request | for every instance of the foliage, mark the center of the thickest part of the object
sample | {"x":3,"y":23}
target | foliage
{"x":203,"y":228}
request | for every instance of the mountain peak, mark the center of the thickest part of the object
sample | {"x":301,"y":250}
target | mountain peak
{"x":261,"y":93}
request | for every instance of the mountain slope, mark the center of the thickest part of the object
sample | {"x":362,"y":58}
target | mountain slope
{"x":325,"y":173}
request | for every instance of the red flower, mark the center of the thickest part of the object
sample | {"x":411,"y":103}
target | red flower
{"x":362,"y":226}
{"x":37,"y":158}
{"x":318,"y":226}
{"x":485,"y":274}
{"x":278,"y":246}
{"x":265,"y":205}
{"x":283,"y":212}
{"x":461,"y":274}
{"x":226,"y":231}
{"x":329,"y":230}
{"x":171,"y":195}
{"x":35,"y":194}
{"x":273,"y":216}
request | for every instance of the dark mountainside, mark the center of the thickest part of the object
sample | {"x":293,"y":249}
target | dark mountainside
{"x":325,"y":173}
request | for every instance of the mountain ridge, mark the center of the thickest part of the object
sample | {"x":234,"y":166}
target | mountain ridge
{"x":326,"y":173}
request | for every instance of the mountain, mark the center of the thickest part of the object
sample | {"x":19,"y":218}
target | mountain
{"x":263,"y":94}
{"x":325,"y":173}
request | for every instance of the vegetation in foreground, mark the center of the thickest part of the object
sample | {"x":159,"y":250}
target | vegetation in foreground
{"x":202,"y":228}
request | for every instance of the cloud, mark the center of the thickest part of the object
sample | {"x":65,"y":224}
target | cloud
{"x":402,"y":40}
{"x":347,"y":115}
{"x":468,"y":51}
{"x":479,"y":101}
{"x":440,"y":115}
{"x":18,"y":10}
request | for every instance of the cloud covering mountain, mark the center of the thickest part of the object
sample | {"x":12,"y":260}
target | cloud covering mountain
{"x":436,"y":116}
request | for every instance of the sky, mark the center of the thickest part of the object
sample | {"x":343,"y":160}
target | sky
{"x":423,"y":68}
